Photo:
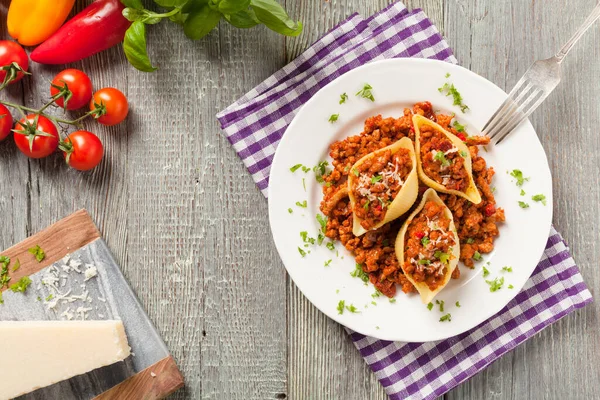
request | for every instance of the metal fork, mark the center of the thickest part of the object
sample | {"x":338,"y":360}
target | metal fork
{"x":533,"y":88}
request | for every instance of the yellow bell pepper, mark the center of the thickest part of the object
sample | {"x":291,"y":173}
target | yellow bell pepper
{"x":33,"y":21}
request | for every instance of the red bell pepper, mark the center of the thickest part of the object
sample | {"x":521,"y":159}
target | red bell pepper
{"x":98,"y":27}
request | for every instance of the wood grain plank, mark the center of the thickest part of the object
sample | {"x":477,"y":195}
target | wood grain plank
{"x":58,"y":240}
{"x":155,"y":382}
{"x":499,"y":40}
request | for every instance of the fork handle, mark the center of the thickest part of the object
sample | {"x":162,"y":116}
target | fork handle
{"x":594,"y":15}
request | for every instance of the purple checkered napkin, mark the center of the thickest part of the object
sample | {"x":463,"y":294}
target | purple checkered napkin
{"x":256,"y":122}
{"x":428,"y":370}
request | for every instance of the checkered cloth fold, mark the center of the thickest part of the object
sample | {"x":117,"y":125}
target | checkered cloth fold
{"x":256,"y":122}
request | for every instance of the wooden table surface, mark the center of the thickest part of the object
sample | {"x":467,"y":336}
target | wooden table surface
{"x":190,"y":229}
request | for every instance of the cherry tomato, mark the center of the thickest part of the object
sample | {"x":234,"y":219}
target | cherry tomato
{"x":12,"y":52}
{"x":6,"y":122}
{"x":82,"y":150}
{"x":115,"y":103}
{"x":78,"y":83}
{"x":42,"y":145}
{"x":419,"y":235}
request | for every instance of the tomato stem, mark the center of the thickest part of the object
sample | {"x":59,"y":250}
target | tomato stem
{"x":22,"y":109}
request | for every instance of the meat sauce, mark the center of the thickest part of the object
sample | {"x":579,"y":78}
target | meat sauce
{"x":476,"y":223}
{"x":428,"y":245}
{"x":379,"y":179}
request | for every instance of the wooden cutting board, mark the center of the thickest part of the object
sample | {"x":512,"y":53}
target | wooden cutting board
{"x":151,"y":372}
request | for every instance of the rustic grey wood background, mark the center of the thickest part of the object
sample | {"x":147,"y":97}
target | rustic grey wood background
{"x":190,"y":230}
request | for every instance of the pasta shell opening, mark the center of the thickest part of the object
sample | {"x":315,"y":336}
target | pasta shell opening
{"x":427,"y":246}
{"x":443,"y":160}
{"x":382,"y":186}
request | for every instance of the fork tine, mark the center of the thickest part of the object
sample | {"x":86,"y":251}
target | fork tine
{"x":508,"y":112}
{"x":511,"y":95}
{"x":522,"y":112}
{"x":540,"y":98}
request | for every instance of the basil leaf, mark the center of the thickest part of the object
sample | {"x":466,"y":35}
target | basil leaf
{"x":193,"y":5}
{"x":270,"y":13}
{"x":134,"y":14}
{"x":137,"y":4}
{"x":198,"y":24}
{"x":233,"y":6}
{"x":134,"y":46}
{"x":172,"y":3}
{"x":243,"y":19}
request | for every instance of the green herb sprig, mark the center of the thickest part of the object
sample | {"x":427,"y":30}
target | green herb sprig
{"x":198,"y":18}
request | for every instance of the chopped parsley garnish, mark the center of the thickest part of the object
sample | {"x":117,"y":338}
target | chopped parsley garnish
{"x":457,"y":304}
{"x":450,"y":90}
{"x":539,"y":197}
{"x":511,"y":287}
{"x":374,"y":303}
{"x":430,"y":306}
{"x":320,"y":238}
{"x":486,"y":272}
{"x":376,"y":294}
{"x":352,"y":309}
{"x":50,"y":297}
{"x":392,"y":301}
{"x":377,"y":327}
{"x":320,"y":171}
{"x":4,"y":278}
{"x":38,"y":253}
{"x":330,"y":246}
{"x":17,"y":265}
{"x":304,"y":204}
{"x":341,"y":306}
{"x":446,"y":317}
{"x":21,"y":285}
{"x":295,"y":167}
{"x":306,"y":238}
{"x":425,"y":241}
{"x":322,"y":221}
{"x":424,"y":261}
{"x":463,"y":154}
{"x":360,"y":273}
{"x":447,"y":75}
{"x":443,"y":257}
{"x":301,"y":251}
{"x":333,"y":118}
{"x":376,"y":178}
{"x":522,"y":204}
{"x":1,"y":299}
{"x":366,"y":205}
{"x":523,"y":192}
{"x":458,"y":126}
{"x":441,"y":304}
{"x":496,"y":284}
{"x":327,"y":263}
{"x":477,"y":256}
{"x":470,"y":241}
{"x":518,"y":175}
{"x":305,"y":169}
{"x":366,"y":92}
{"x":304,"y":184}
{"x":441,"y":158}
{"x":343,"y":98}
{"x":290,"y":210}
{"x":355,"y":172}
{"x":507,"y":269}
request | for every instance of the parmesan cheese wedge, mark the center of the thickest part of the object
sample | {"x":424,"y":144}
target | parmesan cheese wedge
{"x":36,"y":354}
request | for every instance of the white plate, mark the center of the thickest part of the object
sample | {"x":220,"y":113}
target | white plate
{"x":397,"y":84}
